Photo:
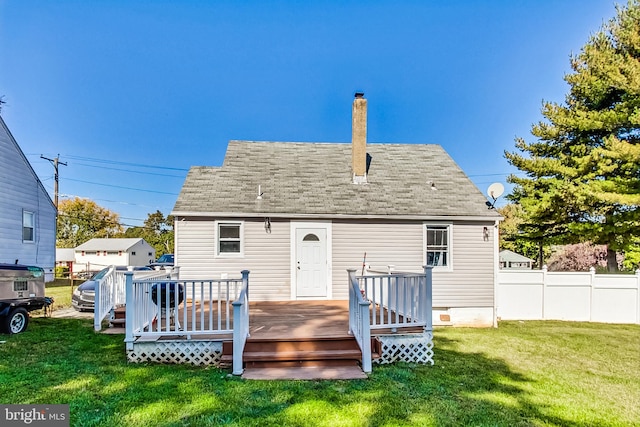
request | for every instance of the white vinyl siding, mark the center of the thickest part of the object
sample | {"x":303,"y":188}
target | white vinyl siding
{"x":471,"y":282}
{"x":21,"y":191}
{"x":397,"y":243}
{"x":266,"y":255}
{"x":401,"y":244}
{"x":386,"y":243}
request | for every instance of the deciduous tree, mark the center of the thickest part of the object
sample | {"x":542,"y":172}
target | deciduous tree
{"x":515,"y":234}
{"x":580,"y":257}
{"x":80,"y":220}
{"x":157,"y":231}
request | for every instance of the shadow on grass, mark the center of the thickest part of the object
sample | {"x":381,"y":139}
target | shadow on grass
{"x":64,"y":361}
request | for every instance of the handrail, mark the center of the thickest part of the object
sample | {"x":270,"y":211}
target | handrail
{"x":104,"y":294}
{"x":400,"y":300}
{"x":240,"y":324}
{"x":359,"y":320}
{"x":392,"y":301}
{"x":110,"y":291}
{"x":187,"y":308}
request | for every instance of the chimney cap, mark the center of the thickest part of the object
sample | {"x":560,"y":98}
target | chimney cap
{"x":359,"y":95}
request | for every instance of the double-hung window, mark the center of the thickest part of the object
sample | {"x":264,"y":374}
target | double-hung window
{"x":229,"y":239}
{"x":28,"y":226}
{"x":438,"y":245}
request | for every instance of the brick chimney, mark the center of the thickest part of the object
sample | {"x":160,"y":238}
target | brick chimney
{"x":359,"y":139}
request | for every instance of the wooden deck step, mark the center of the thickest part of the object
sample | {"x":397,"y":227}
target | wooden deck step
{"x":352,"y":372}
{"x":317,"y":355}
{"x":286,"y":356}
{"x":346,"y":342}
{"x":119,"y":318}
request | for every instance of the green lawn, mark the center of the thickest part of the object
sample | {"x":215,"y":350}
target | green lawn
{"x":61,"y":294}
{"x":521,"y":374}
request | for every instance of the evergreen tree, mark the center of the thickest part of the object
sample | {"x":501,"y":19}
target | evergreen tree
{"x":582,"y":174}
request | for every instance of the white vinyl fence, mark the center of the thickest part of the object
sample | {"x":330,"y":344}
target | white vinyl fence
{"x":575,"y":296}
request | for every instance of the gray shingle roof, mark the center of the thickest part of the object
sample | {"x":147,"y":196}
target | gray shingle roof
{"x":315,"y":179}
{"x":115,"y":244}
{"x":509,"y":256}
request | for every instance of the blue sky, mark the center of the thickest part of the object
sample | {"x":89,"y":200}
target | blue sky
{"x":130,"y":94}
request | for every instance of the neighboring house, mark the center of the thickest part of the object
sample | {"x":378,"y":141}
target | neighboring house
{"x":27,"y":213}
{"x":298,"y":215}
{"x":512,"y":260}
{"x":97,"y":254}
{"x":66,"y":257}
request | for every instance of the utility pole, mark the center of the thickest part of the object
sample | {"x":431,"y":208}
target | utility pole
{"x":55,"y":162}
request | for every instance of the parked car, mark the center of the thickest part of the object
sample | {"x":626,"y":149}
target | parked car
{"x":83,"y":298}
{"x":165,"y":260}
{"x":21,"y":291}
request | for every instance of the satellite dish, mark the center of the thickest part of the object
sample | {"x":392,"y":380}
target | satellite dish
{"x":495,"y":190}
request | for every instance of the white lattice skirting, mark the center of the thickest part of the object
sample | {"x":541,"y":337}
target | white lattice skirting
{"x":193,"y":352}
{"x":414,"y":348}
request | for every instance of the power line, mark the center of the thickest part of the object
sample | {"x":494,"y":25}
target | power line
{"x":119,"y":186}
{"x":129,"y":171}
{"x":115,"y":162}
{"x":55,"y":162}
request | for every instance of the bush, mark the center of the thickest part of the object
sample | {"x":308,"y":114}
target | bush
{"x":61,"y":271}
{"x":580,"y":257}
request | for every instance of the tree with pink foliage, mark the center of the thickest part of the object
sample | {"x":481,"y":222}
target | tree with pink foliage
{"x":580,"y":257}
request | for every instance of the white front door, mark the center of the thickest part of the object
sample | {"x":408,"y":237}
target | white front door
{"x":311,"y":262}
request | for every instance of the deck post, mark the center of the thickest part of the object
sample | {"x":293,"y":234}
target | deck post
{"x":245,"y":282}
{"x":428,"y":301}
{"x":238,"y":342}
{"x":366,"y":336}
{"x":129,"y":310}
{"x":97,"y":309}
{"x":351,"y":272}
{"x":240,"y":324}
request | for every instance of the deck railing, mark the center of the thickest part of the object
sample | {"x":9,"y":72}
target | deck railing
{"x":104,"y":297}
{"x":399,"y":300}
{"x":359,"y":325}
{"x":241,"y":324}
{"x":393,"y":301}
{"x":181,"y":308}
{"x":110,"y":291}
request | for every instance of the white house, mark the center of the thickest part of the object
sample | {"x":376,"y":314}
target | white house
{"x":513,"y":260}
{"x":27,"y":213}
{"x":298,"y":215}
{"x":97,"y":254}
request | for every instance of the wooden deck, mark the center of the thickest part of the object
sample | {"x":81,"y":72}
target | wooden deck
{"x":298,"y":319}
{"x":309,"y":319}
{"x":281,"y":320}
{"x":288,"y":340}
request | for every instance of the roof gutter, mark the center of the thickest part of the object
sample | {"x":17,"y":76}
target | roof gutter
{"x":337,"y":216}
